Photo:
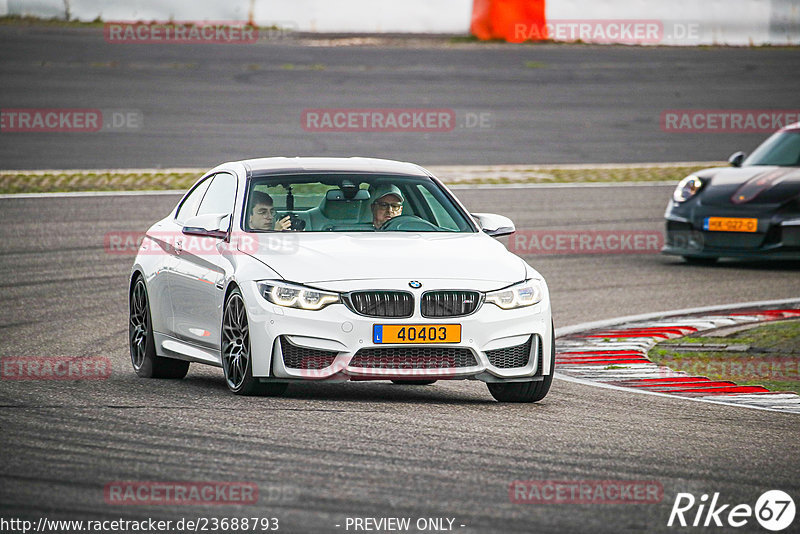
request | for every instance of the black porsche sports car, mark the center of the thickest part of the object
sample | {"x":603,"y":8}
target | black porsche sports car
{"x":748,"y":210}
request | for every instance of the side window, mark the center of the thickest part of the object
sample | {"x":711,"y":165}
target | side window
{"x":189,"y":206}
{"x":220,"y":196}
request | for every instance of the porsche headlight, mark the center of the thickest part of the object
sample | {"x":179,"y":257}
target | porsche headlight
{"x":296,"y":296}
{"x":687,"y":188}
{"x":526,"y":293}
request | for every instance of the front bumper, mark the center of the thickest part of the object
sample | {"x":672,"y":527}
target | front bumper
{"x":776,"y":237}
{"x":337,"y":344}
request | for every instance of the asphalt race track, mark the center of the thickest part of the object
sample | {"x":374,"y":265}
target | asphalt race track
{"x":203,"y":104}
{"x":324,"y":453}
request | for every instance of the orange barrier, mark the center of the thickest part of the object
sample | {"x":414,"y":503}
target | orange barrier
{"x":514,"y":21}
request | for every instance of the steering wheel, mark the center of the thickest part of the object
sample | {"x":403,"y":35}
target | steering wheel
{"x":408,"y":223}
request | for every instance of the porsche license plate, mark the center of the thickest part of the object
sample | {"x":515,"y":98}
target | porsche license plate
{"x":730,"y":224}
{"x":416,"y":333}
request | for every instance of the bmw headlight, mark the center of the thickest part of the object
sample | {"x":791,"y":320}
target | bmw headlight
{"x":526,"y":293}
{"x":687,"y":188}
{"x":296,"y":296}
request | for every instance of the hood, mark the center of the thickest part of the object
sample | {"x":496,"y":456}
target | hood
{"x":326,"y":256}
{"x":756,"y":185}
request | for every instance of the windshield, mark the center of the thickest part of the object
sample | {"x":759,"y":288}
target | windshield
{"x":782,"y":148}
{"x":351,"y":203}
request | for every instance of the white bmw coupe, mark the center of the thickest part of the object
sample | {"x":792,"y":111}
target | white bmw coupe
{"x":288,"y":269}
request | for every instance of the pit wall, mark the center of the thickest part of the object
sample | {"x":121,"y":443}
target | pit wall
{"x":647,"y":22}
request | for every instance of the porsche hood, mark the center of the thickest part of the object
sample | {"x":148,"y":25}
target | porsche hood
{"x":757,"y":185}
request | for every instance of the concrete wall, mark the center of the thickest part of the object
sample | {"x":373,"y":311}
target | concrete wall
{"x":678,"y":22}
{"x":688,"y":22}
{"x":363,"y":16}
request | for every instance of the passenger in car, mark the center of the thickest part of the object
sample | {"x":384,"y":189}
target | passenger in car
{"x":262,"y":214}
{"x":387,"y":204}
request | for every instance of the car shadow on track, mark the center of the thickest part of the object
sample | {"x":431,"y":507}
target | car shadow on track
{"x":347,"y":391}
{"x":750,"y":265}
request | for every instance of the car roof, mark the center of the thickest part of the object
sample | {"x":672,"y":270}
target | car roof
{"x":281,"y":165}
{"x":791,"y":127}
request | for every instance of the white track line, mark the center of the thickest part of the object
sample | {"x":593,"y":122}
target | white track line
{"x":656,"y":393}
{"x":566,"y":185}
{"x":593,"y":325}
{"x":437,"y":169}
{"x":94,"y":194}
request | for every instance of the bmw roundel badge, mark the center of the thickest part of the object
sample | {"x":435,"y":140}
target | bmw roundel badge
{"x":414,"y":284}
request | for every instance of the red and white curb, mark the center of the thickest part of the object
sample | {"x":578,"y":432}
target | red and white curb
{"x":614,"y":354}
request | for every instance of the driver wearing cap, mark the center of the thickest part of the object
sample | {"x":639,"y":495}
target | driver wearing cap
{"x":387,"y":204}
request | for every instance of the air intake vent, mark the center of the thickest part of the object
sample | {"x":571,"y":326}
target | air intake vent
{"x":511,"y":357}
{"x":540,"y":355}
{"x":295,"y":357}
{"x":413,"y":358}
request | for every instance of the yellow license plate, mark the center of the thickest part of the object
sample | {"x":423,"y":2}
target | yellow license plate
{"x":416,"y":333}
{"x":730,"y":224}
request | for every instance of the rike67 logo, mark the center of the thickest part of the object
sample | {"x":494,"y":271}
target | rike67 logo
{"x":774,"y":510}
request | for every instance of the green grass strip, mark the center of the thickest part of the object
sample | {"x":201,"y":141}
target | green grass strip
{"x":767,"y":355}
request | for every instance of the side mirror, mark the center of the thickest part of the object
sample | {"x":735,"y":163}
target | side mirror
{"x":209,"y":225}
{"x":494,"y":225}
{"x":736,"y":159}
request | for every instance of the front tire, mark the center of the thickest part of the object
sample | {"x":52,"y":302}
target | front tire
{"x":142,"y":344}
{"x":237,"y":361}
{"x":526,"y":391}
